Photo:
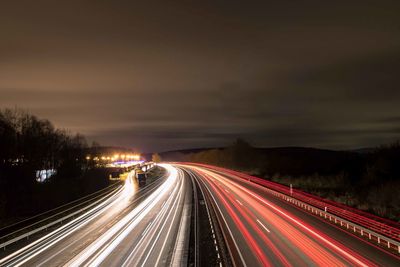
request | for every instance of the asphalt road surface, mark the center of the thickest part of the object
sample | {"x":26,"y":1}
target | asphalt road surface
{"x":265,"y":231}
{"x":130,"y":227}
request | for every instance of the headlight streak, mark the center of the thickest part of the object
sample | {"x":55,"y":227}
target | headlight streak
{"x":124,"y":226}
{"x":169,"y":196}
{"x":26,"y":253}
{"x":236,"y":188}
{"x":155,"y":226}
{"x":128,"y":187}
{"x":177,"y":200}
{"x":144,"y":236}
{"x":155,"y":229}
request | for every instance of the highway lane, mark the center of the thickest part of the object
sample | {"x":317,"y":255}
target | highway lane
{"x":267,"y":231}
{"x":130,"y":227}
{"x":148,"y":239}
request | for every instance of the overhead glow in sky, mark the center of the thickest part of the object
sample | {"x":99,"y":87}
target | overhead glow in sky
{"x":166,"y":76}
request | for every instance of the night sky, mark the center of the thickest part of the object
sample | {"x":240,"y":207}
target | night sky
{"x":183,"y":74}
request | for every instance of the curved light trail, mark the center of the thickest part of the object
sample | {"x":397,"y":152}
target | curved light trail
{"x":128,"y":227}
{"x":269,"y":232}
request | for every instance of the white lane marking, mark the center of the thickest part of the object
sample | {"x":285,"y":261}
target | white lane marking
{"x":146,"y":229}
{"x":209,"y":217}
{"x":60,"y":233}
{"x":263,"y":226}
{"x":175,"y":205}
{"x":126,"y":224}
{"x":299,"y":223}
{"x":156,"y":223}
{"x":226,"y":224}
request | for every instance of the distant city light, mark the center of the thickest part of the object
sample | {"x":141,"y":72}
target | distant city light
{"x":116,"y":157}
{"x":43,"y":175}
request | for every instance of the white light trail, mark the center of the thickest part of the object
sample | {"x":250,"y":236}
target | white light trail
{"x":28,"y":252}
{"x":125,"y":225}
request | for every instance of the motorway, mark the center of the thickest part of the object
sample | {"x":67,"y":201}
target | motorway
{"x":132,"y":226}
{"x":151,"y":226}
{"x":261,"y":230}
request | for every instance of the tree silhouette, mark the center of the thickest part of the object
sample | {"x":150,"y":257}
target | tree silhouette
{"x":28,"y":144}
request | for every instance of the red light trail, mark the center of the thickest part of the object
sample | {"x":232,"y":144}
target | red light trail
{"x":272,"y":234}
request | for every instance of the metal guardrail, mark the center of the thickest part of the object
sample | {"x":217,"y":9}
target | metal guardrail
{"x":364,"y":232}
{"x":50,"y":221}
{"x":365,"y":220}
{"x":62,"y":207}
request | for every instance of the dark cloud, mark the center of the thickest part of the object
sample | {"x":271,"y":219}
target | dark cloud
{"x":161,"y":75}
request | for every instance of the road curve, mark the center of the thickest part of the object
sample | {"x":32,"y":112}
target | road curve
{"x":131,"y":227}
{"x":266,"y":231}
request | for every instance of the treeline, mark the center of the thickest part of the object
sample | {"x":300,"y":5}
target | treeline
{"x":368,"y":181}
{"x":29,"y":144}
